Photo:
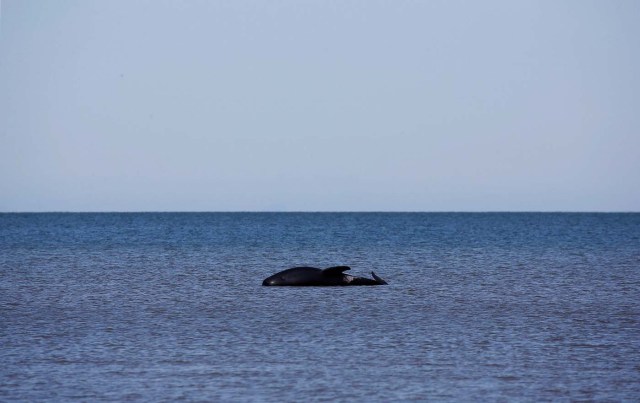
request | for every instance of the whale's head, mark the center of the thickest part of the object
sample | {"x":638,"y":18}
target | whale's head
{"x":276,"y":279}
{"x":295,"y":276}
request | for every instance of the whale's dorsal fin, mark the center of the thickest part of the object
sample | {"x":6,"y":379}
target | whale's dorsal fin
{"x":333,"y":271}
{"x":378,"y":279}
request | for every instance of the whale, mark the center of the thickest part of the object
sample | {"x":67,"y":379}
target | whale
{"x":312,"y":276}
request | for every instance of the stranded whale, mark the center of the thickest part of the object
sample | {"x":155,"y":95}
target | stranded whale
{"x":311,"y":276}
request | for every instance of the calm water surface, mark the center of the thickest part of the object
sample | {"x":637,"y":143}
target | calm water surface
{"x":149,"y":307}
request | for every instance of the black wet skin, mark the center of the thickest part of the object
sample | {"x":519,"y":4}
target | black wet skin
{"x":311,"y":276}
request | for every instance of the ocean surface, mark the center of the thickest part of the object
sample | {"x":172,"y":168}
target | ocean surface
{"x":163,"y":307}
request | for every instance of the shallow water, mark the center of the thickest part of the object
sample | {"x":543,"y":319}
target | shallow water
{"x":511,"y":307}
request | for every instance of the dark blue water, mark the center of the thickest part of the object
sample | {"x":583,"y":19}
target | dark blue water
{"x":508,"y":307}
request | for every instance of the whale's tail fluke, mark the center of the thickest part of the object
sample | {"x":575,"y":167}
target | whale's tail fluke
{"x":378,"y":279}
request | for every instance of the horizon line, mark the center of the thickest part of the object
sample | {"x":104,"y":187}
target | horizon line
{"x":324,"y":212}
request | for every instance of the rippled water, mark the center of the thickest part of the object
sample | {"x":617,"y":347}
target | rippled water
{"x":511,"y":307}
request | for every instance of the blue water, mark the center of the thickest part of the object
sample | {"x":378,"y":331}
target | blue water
{"x":149,"y":307}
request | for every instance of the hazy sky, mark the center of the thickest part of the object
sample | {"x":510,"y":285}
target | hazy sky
{"x":319,"y":105}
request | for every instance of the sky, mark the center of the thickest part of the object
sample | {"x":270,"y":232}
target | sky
{"x":326,"y":105}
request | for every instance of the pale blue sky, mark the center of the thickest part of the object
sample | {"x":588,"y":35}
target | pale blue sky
{"x":319,"y":105}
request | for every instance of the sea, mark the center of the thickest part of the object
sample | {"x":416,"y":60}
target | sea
{"x":508,"y":307}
